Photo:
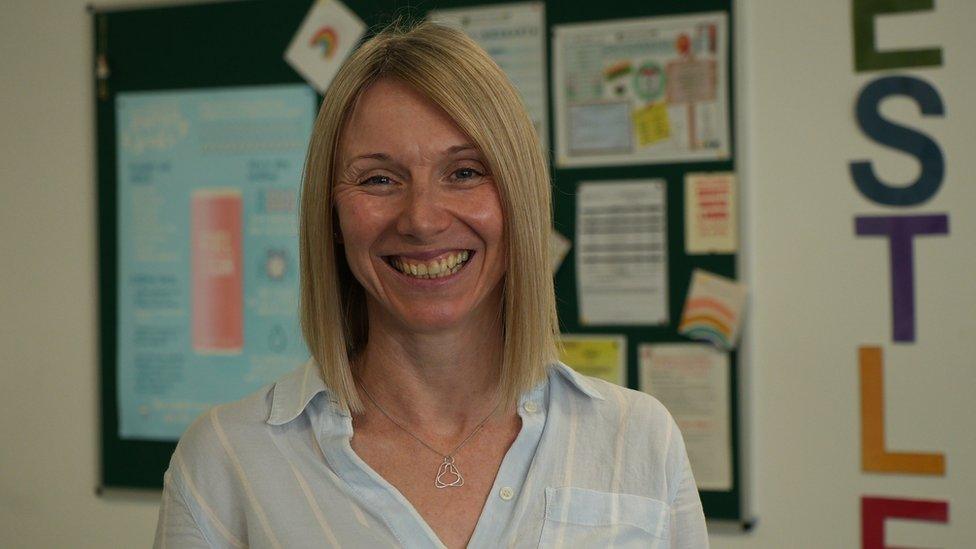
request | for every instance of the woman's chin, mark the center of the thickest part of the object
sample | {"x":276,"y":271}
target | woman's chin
{"x":429,"y":321}
{"x":433,"y":323}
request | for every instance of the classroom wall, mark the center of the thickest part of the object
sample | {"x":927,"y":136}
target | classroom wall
{"x":819,"y":292}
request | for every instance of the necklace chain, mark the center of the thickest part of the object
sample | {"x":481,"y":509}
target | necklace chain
{"x":448,"y":468}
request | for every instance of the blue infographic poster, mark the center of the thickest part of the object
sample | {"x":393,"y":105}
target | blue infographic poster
{"x":208,"y":186}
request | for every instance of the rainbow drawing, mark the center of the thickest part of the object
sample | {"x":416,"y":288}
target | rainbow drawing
{"x":327,"y":39}
{"x":617,"y":70}
{"x":713,"y":309}
{"x":707,"y":319}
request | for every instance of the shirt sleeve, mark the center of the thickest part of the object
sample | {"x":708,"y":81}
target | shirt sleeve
{"x":687,"y":516}
{"x":176,"y":527}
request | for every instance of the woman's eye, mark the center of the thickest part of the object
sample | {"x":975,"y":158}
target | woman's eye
{"x":376,"y":180}
{"x":465,"y":174}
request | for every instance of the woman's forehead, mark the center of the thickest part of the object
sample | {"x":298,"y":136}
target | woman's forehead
{"x":391,"y":118}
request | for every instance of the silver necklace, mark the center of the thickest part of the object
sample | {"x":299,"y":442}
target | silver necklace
{"x":448,"y":475}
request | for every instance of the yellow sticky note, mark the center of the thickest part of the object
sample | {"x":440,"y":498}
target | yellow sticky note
{"x":598,"y":356}
{"x":652,"y":123}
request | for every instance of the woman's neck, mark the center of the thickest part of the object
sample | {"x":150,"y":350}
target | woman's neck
{"x":446,"y":381}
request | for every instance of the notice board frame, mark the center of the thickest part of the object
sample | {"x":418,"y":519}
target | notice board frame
{"x":241,"y":43}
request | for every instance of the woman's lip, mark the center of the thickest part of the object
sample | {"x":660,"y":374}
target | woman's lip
{"x":427,"y":256}
{"x":429,"y":281}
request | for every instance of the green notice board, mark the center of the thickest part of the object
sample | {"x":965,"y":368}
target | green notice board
{"x":240,"y":44}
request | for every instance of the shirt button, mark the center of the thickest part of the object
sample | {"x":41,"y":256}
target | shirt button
{"x":507,"y":493}
{"x":531,"y":407}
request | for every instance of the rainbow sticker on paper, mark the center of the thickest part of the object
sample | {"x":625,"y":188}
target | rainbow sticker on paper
{"x":325,"y":39}
{"x":326,"y":36}
{"x":713,"y":309}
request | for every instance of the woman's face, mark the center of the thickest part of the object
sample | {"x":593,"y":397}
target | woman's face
{"x":419,"y":213}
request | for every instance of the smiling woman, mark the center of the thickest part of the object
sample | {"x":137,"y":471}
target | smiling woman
{"x":462,"y":93}
{"x":433,"y":411}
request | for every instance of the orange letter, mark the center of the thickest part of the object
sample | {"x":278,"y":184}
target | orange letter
{"x":874,"y":456}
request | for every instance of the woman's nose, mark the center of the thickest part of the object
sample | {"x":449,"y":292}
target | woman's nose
{"x":424,"y":213}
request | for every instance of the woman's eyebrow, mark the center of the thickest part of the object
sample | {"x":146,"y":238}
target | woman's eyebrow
{"x":377,"y":156}
{"x":450,"y":151}
{"x":461,"y":148}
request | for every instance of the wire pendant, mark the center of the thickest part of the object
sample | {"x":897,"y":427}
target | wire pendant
{"x":448,"y":475}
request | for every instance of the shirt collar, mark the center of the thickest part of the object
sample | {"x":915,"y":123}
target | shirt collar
{"x":580,"y":382}
{"x":293,"y":392}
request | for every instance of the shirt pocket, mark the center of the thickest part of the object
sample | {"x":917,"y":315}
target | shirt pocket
{"x":577,"y":517}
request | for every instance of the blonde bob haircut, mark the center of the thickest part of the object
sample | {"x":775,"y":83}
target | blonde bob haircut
{"x":455,"y":73}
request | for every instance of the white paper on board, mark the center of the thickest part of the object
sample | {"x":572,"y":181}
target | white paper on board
{"x":692,"y":381}
{"x":514,"y":36}
{"x":621,"y":252}
{"x":711,"y":218}
{"x":325,"y":38}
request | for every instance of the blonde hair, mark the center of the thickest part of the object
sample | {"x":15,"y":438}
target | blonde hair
{"x":456,"y":74}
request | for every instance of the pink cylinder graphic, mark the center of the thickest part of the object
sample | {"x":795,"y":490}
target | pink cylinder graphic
{"x":218,"y":280}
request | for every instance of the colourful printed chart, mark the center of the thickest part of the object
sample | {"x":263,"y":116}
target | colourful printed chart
{"x":208,"y":185}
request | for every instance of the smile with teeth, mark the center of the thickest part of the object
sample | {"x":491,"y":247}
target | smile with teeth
{"x":436,"y":268}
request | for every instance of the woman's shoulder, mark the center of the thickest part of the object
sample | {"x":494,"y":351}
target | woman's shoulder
{"x":610,"y":399}
{"x":216,"y":433}
{"x":229,"y":429}
{"x":616,"y":418}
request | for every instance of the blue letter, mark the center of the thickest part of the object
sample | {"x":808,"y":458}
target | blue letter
{"x":899,"y":137}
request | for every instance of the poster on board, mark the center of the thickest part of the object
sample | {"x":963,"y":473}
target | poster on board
{"x":514,"y":36}
{"x":641,"y":91}
{"x":208,"y":185}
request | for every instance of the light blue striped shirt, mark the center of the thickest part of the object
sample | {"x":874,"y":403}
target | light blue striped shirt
{"x":594,"y":465}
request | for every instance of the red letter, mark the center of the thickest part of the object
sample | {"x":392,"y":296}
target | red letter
{"x":874,"y":511}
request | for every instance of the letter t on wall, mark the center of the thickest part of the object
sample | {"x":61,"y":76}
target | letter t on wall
{"x":900,"y":231}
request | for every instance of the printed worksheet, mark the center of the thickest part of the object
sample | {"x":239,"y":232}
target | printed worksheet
{"x":622,"y":252}
{"x":692,"y":381}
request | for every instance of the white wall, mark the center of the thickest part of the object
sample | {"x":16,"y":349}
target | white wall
{"x":820,"y":293}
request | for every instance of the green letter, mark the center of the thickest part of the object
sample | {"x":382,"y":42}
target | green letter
{"x":866,"y":55}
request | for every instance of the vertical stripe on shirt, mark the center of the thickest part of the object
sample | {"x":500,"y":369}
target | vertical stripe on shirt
{"x":258,"y":510}
{"x":620,"y":443}
{"x":667,"y":452}
{"x":568,"y":475}
{"x":618,"y":449}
